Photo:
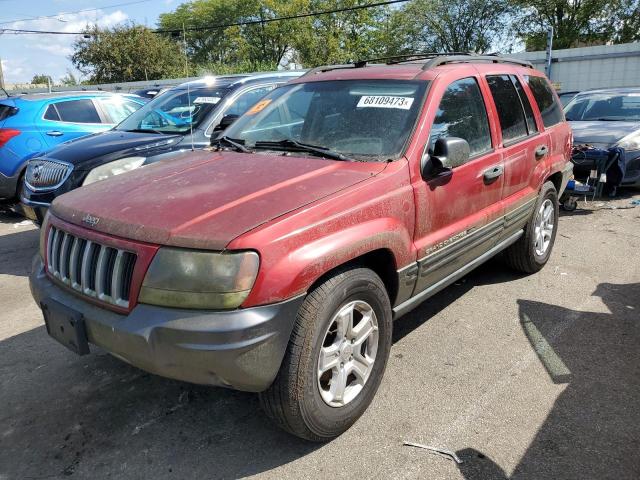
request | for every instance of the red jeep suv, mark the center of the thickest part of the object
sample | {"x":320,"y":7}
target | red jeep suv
{"x":277,"y":261}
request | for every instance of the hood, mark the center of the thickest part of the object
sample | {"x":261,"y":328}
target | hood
{"x":206,"y":199}
{"x":598,"y":132}
{"x":86,"y":152}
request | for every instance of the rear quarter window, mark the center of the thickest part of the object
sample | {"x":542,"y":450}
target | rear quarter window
{"x":549,"y":106}
{"x":7,"y":111}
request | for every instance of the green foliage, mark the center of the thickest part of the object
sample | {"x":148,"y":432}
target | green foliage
{"x":576,"y":23}
{"x":127,"y":53}
{"x":41,"y":79}
{"x":214,"y":68}
{"x":69,"y":80}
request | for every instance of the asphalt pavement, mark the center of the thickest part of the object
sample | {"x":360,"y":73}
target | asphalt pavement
{"x":524,"y":377}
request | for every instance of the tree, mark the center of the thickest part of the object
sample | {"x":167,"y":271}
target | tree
{"x":127,"y":53}
{"x":69,"y":80}
{"x":451,"y":26}
{"x":575,"y":22}
{"x":41,"y":79}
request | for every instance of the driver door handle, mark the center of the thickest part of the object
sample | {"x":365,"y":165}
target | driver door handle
{"x":493,"y":173}
{"x":541,"y":151}
{"x":54,"y":133}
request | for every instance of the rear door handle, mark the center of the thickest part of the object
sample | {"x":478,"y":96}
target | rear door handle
{"x":493,"y":173}
{"x":54,"y":133}
{"x":541,"y":151}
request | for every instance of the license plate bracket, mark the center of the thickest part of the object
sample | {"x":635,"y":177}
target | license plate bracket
{"x":66,"y":325}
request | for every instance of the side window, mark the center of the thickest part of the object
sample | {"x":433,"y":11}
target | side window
{"x":549,"y":107}
{"x":462,"y":114}
{"x":509,"y":108}
{"x":52,"y":114}
{"x":118,"y":108}
{"x":78,"y":111}
{"x":528,"y":111}
{"x":247,"y":100}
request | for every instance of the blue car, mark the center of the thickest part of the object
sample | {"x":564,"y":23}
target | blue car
{"x":30,"y":124}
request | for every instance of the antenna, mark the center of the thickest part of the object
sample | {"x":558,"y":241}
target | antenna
{"x":186,"y":71}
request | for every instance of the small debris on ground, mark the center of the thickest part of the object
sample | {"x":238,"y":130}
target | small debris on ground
{"x":438,"y":451}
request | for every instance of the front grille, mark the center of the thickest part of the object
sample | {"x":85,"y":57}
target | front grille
{"x":46,"y":174}
{"x":90,"y":268}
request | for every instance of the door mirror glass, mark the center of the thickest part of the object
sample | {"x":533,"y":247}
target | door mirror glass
{"x":225,"y":123}
{"x":448,"y":153}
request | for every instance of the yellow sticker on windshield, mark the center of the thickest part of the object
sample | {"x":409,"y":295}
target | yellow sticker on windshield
{"x":258,"y":107}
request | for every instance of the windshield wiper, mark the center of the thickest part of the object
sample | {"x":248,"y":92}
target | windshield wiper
{"x":233,"y":143}
{"x":145,"y":130}
{"x":294,"y":145}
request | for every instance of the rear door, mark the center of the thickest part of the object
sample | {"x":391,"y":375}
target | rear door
{"x":64,"y":120}
{"x":522,"y":144}
{"x":458,"y":215}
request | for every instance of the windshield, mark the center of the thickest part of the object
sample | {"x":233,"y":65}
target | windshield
{"x":359,"y":119}
{"x":604,"y":106}
{"x":174,"y":111}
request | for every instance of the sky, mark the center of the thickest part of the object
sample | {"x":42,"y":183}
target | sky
{"x":23,"y":56}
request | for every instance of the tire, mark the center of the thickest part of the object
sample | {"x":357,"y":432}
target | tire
{"x":523,"y":255}
{"x":298,"y":399}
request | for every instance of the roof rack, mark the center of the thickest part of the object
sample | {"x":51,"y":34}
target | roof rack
{"x":433,"y":59}
{"x":470,"y":57}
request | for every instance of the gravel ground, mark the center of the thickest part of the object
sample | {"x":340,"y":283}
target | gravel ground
{"x":530,"y":377}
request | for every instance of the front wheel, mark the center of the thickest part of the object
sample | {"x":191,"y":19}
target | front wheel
{"x":335,"y":359}
{"x":532,"y":251}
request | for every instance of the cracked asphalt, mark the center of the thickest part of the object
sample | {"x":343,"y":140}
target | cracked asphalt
{"x":524,"y":377}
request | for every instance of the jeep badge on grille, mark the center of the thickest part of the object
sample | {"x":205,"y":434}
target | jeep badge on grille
{"x":90,"y":220}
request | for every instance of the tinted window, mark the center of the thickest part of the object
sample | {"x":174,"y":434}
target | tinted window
{"x":247,"y":100}
{"x":528,"y":111}
{"x":509,"y":107}
{"x":605,"y":106}
{"x":462,"y":114}
{"x":52,"y":114}
{"x":118,"y":108}
{"x":368,"y":120}
{"x":176,"y":110}
{"x":549,"y":107}
{"x":78,"y":111}
{"x":7,"y":111}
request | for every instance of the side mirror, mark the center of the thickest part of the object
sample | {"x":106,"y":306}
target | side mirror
{"x":448,"y":153}
{"x":225,"y":123}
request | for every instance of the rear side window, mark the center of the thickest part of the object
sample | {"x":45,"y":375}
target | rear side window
{"x":547,"y":103}
{"x":528,"y":111}
{"x":77,"y":111}
{"x":462,"y":114}
{"x":7,"y":111}
{"x":510,"y":111}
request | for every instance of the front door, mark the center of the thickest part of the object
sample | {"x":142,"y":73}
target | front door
{"x":459,"y":214}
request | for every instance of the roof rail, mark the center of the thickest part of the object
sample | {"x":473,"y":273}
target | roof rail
{"x":433,"y":59}
{"x":469,"y":58}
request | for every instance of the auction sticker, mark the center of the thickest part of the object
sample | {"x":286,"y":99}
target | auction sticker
{"x":213,"y":100}
{"x":385,"y":101}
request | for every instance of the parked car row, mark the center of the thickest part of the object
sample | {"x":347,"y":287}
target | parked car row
{"x":183,"y":118}
{"x":277,"y":260}
{"x":30,"y":124}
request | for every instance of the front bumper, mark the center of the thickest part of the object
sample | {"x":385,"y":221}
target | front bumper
{"x":240,"y":349}
{"x":583,"y":166}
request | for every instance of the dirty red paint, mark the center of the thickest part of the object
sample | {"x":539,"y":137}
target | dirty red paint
{"x":306,"y":216}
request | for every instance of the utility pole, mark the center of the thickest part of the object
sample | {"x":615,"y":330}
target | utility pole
{"x":1,"y":76}
{"x":547,"y":65}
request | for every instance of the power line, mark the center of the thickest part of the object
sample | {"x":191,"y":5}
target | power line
{"x":225,"y":25}
{"x":31,"y":19}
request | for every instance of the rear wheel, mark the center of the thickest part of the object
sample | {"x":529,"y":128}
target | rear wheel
{"x":335,"y":359}
{"x":532,"y":251}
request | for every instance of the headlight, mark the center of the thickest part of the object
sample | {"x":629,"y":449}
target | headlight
{"x":199,"y":279}
{"x":43,"y":235}
{"x":112,"y":169}
{"x":630,"y":142}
